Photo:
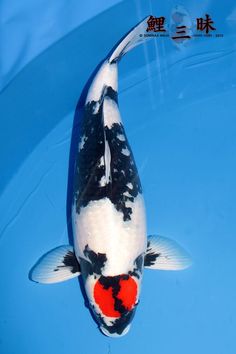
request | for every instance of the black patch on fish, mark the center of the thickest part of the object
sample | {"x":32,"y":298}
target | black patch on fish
{"x":150,"y":257}
{"x":123,"y":171}
{"x":111,"y":93}
{"x":138,"y":266}
{"x":139,"y":263}
{"x":89,"y":171}
{"x":97,"y":259}
{"x":94,"y":263}
{"x":119,"y":324}
{"x":69,"y":260}
{"x":86,"y":267}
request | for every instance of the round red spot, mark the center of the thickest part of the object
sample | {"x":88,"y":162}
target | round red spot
{"x":105,"y":300}
{"x":128,"y":292}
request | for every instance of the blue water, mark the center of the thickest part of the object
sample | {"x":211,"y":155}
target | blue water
{"x":178,"y":107}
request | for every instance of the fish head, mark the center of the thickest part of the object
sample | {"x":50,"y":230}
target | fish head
{"x":113,"y":300}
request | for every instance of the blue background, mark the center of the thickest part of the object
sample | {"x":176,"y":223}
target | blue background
{"x":178,"y":106}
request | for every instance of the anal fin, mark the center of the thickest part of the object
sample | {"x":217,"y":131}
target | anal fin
{"x":58,"y":265}
{"x":165,"y":254}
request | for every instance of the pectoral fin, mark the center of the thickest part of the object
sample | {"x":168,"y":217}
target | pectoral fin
{"x":165,"y":254}
{"x":55,"y":266}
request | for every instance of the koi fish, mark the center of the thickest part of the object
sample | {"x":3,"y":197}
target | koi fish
{"x":111,"y":247}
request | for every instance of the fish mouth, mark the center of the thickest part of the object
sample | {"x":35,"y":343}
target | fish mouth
{"x":115,"y":334}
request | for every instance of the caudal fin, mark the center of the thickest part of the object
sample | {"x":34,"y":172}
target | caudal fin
{"x":129,"y":41}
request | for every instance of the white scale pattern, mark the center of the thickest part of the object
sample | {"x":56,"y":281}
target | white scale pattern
{"x":100,"y":226}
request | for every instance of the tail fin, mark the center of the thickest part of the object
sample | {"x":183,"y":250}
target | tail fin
{"x":129,"y":41}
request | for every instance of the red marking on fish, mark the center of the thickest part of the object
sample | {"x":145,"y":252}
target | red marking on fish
{"x":106,"y":297}
{"x":105,"y":300}
{"x":128,"y":292}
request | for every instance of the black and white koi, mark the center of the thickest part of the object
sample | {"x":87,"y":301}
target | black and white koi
{"x":111,"y":247}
